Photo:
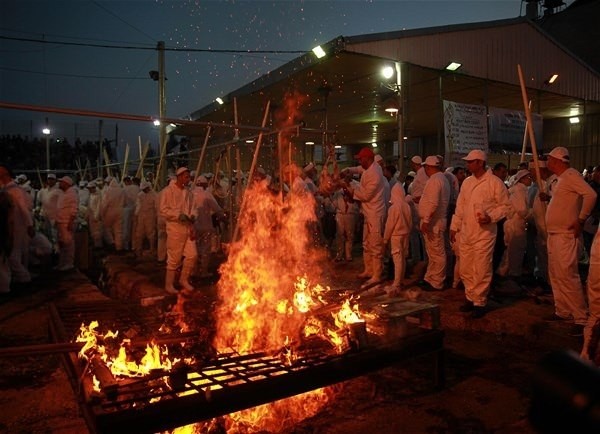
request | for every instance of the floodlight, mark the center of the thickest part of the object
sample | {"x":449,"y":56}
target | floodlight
{"x":574,"y":120}
{"x":453,"y":66}
{"x":319,"y":52}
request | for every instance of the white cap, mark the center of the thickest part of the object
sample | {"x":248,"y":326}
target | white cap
{"x":521,"y":174}
{"x":82,"y":184}
{"x":91,"y":184}
{"x":475,"y":154}
{"x":21,"y":178}
{"x":209,"y":175}
{"x":416,"y":159}
{"x":308,"y":167}
{"x":51,"y":176}
{"x":432,"y":160}
{"x":181,"y":170}
{"x":411,"y":173}
{"x":449,"y":169}
{"x":560,"y":153}
{"x":144,"y":185}
{"x":66,"y":179}
{"x":201,"y":180}
{"x":378,"y":158}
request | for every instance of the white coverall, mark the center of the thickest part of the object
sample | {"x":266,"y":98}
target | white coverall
{"x":174,"y":202}
{"x":572,"y":199}
{"x":346,"y":215}
{"x":433,"y":211}
{"x":538,"y":215}
{"x":593,"y":288}
{"x":67,"y":207}
{"x":145,"y":222}
{"x":111,"y":212}
{"x":161,"y":231}
{"x":515,"y":235}
{"x":22,"y":219}
{"x":488,"y":195}
{"x":205,"y":205}
{"x":371,"y":194}
{"x":93,"y":218}
{"x":47,"y":198}
{"x":130,"y":194}
{"x":397,"y":231}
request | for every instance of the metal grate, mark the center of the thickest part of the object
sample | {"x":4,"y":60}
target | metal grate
{"x":188,"y":394}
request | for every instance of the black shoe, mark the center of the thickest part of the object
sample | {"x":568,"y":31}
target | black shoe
{"x":467,"y":306}
{"x":576,"y":330}
{"x":555,"y":318}
{"x":426,"y":286}
{"x":478,"y":312}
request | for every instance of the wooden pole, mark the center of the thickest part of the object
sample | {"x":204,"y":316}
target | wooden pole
{"x":203,"y":151}
{"x":126,"y":160}
{"x":524,"y":149}
{"x":106,"y":161}
{"x":140,"y":170}
{"x":251,"y":172}
{"x":529,"y":128}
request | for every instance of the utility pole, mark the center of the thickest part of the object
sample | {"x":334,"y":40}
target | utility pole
{"x":162,"y":111}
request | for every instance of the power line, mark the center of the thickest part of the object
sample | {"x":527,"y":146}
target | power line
{"x":123,"y":21}
{"x":71,"y":75}
{"x":133,"y":47}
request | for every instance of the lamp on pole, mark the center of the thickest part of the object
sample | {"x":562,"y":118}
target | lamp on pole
{"x":46,"y":132}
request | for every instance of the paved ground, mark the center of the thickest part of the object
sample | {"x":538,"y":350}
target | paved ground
{"x":489,"y":361}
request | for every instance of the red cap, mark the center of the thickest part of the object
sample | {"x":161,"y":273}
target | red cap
{"x":363,"y":153}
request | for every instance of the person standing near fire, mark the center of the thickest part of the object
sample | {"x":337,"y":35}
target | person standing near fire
{"x":145,"y":220}
{"x":482,"y":202}
{"x":93,"y":215}
{"x":66,"y":215}
{"x":572,"y":203}
{"x":111,"y":212}
{"x":47,"y":198}
{"x":370,"y":192}
{"x":176,"y":207}
{"x":433,"y":214}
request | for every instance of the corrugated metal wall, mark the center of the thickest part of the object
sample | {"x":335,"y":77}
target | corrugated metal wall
{"x":493,"y":53}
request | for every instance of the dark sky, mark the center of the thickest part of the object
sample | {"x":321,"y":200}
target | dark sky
{"x":116,"y":80}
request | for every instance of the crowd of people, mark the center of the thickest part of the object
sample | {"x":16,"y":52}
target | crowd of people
{"x":473,"y":226}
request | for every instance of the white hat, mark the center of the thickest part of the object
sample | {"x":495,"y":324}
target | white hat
{"x":378,"y":158}
{"x":411,"y":173}
{"x":21,"y":178}
{"x":209,"y":175}
{"x":308,"y":167}
{"x":541,"y":164}
{"x":432,"y":160}
{"x":181,"y":170}
{"x":521,"y":174}
{"x":201,"y":180}
{"x":560,"y":153}
{"x":66,"y":179}
{"x":192,"y":173}
{"x":91,"y":184}
{"x":449,"y":169}
{"x":144,"y":185}
{"x":82,"y":184}
{"x":51,"y":176}
{"x":475,"y":154}
{"x":416,"y":159}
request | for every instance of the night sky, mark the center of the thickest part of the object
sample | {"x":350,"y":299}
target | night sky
{"x":117,"y":80}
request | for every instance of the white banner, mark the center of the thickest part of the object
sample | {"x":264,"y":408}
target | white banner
{"x":465,"y":129}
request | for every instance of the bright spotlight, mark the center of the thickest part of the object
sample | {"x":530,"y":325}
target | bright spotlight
{"x":453,"y":66}
{"x":374,"y":144}
{"x":46,"y":131}
{"x":388,"y":72}
{"x":220,"y":100}
{"x":574,"y":120}
{"x":156,"y":123}
{"x":319,"y":52}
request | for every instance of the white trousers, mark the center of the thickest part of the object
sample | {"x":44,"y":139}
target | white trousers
{"x":563,"y":261}
{"x":435,"y":245}
{"x":476,"y":269}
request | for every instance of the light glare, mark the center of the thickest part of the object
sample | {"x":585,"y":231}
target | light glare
{"x":319,"y":52}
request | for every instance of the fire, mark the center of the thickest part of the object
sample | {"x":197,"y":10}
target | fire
{"x":122,"y":363}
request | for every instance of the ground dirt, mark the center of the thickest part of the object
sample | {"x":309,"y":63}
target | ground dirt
{"x":488,"y":361}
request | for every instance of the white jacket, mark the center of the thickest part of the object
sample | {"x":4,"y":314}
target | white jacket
{"x":371,"y":192}
{"x":67,"y":206}
{"x":433,"y":206}
{"x":399,"y":219}
{"x":487,"y":194}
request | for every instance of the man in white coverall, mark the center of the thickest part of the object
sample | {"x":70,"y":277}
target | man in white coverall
{"x":47,"y":198}
{"x":130,"y":193}
{"x":111,"y":212}
{"x":433,"y":214}
{"x":370,"y":193}
{"x":22,"y":227}
{"x":176,"y":207}
{"x":145,"y":220}
{"x":482,"y":201}
{"x":572,"y":203}
{"x":93,"y":215}
{"x":515,"y":235}
{"x":205,"y":206}
{"x":66,"y":215}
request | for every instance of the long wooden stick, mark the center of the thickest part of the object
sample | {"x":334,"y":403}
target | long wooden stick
{"x":107,"y":162}
{"x":524,"y":149}
{"x":140,"y":169}
{"x":163,"y":153}
{"x":529,"y":126}
{"x":203,"y":151}
{"x":126,"y":160}
{"x":251,"y":172}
